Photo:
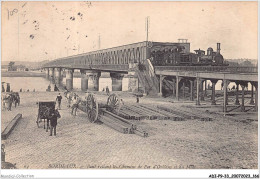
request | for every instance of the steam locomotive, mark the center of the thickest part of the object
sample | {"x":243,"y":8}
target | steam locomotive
{"x":178,"y":56}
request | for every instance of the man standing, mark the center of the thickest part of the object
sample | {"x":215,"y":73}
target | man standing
{"x":56,"y":88}
{"x":75,"y":102}
{"x":58,"y":99}
{"x":49,"y":88}
{"x":8,"y":87}
{"x":121,"y":104}
{"x":107,"y":90}
{"x":69,"y":98}
{"x":16,"y":99}
{"x":10,"y":101}
{"x":53,"y":119}
{"x":3,"y":88}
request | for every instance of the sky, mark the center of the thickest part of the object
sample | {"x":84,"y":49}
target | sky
{"x":37,"y":31}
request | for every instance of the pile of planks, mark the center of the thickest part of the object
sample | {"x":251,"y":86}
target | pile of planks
{"x":116,"y":122}
{"x":140,"y":111}
{"x":10,"y":127}
{"x":150,"y":112}
{"x":120,"y":124}
{"x":185,"y":113}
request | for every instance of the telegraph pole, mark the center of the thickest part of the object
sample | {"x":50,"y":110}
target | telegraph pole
{"x":18,"y":32}
{"x":147,"y":24}
{"x":99,"y":41}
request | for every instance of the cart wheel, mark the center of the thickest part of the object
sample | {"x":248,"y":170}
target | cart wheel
{"x":113,"y":103}
{"x":92,"y":108}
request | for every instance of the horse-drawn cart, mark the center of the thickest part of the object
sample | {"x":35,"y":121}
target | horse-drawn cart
{"x":44,"y":110}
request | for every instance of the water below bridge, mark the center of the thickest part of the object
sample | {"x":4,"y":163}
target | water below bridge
{"x":40,"y":84}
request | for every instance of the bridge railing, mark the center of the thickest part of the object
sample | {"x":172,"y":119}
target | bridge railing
{"x":209,"y":69}
{"x":117,"y":67}
{"x":114,"y":67}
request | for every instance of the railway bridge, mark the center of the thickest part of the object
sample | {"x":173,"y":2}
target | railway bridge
{"x":128,"y":68}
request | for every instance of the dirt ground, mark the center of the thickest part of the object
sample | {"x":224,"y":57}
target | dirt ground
{"x":224,"y":142}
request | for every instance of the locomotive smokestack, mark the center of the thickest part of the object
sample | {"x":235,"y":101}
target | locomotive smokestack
{"x":218,"y":47}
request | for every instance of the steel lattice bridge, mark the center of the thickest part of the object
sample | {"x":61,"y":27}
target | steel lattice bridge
{"x":119,"y":69}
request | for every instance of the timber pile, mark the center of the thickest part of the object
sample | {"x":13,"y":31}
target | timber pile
{"x":120,"y":124}
{"x":140,"y":111}
{"x":116,"y":122}
{"x":150,"y":112}
{"x":186,"y":114}
{"x":10,"y":127}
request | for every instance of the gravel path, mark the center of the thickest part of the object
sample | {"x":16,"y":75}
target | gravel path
{"x":224,"y":142}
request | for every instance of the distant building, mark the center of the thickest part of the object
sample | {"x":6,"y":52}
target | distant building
{"x":4,"y":67}
{"x":13,"y":68}
{"x":20,"y":68}
{"x":242,"y":62}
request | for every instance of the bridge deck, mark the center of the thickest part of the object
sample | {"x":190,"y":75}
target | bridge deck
{"x":101,"y":67}
{"x":210,"y":72}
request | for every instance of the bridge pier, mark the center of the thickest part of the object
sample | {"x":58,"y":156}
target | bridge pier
{"x":198,"y":91}
{"x":130,"y":82}
{"x":183,"y":89}
{"x":243,"y":98}
{"x":105,"y":81}
{"x":57,"y":76}
{"x":47,"y":73}
{"x":160,"y":87}
{"x":93,"y":81}
{"x":237,"y":92}
{"x":51,"y":76}
{"x":69,"y":79}
{"x":117,"y":79}
{"x":84,"y":80}
{"x":173,"y":87}
{"x":201,"y":88}
{"x":213,"y":100}
{"x":125,"y":82}
{"x":225,"y":96}
{"x":255,"y":84}
{"x":256,"y":96}
{"x":63,"y":73}
{"x":252,"y":94}
{"x":205,"y":92}
{"x":178,"y":79}
{"x":161,"y":84}
{"x":228,"y":82}
{"x":192,"y":90}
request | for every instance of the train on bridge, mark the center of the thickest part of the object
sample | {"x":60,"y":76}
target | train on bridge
{"x":177,"y":56}
{"x":159,"y":53}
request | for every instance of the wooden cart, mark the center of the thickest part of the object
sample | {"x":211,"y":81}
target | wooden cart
{"x":44,"y":110}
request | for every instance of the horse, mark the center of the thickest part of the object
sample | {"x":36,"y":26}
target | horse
{"x":45,"y":113}
{"x":4,"y":100}
{"x":7,"y":101}
{"x":16,"y":99}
